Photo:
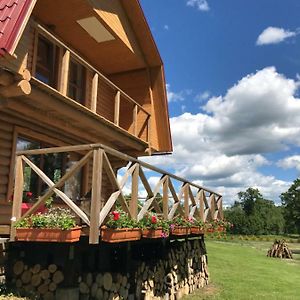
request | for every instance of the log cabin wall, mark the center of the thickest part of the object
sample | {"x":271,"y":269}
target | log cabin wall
{"x":10,"y":129}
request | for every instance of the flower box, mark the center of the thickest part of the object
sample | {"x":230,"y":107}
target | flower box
{"x":221,"y":229}
{"x":48,"y":235}
{"x":197,"y":230}
{"x":153,"y":233}
{"x":118,"y":235}
{"x":180,"y":230}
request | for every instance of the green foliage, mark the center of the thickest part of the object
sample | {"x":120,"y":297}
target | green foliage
{"x":254,"y":215}
{"x":120,"y":220}
{"x":59,"y":218}
{"x":291,"y":207}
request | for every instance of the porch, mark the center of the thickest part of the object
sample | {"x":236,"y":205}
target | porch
{"x":179,"y":197}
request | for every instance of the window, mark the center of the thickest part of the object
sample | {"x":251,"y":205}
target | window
{"x":45,"y":69}
{"x":76,"y":83}
{"x":54,"y":165}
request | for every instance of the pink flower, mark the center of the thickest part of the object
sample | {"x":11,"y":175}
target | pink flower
{"x":153,"y":220}
{"x":116,"y":215}
{"x":172,"y":226}
{"x":28,"y":194}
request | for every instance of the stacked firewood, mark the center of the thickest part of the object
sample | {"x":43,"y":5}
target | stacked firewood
{"x":104,"y":286}
{"x":37,"y":280}
{"x":183,"y":271}
{"x":280,"y":249}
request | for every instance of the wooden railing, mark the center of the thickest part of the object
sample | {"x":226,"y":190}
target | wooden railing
{"x":126,"y":112}
{"x":186,"y":198}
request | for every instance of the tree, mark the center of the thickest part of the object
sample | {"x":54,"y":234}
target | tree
{"x":255,"y":215}
{"x":291,"y":207}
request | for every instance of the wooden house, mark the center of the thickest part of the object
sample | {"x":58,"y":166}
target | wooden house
{"x":78,"y":72}
{"x":87,"y":73}
{"x":83,"y":94}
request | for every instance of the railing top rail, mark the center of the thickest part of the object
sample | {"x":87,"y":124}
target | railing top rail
{"x":113,"y":152}
{"x":47,"y":33}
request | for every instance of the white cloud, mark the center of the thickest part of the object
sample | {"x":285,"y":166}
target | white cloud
{"x":202,"y":96}
{"x":166,"y":27}
{"x":223,"y":148}
{"x":291,"y":162}
{"x":274,"y":35}
{"x":177,"y":96}
{"x":199,"y":4}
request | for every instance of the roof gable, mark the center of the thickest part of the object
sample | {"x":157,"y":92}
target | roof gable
{"x":13,"y":15}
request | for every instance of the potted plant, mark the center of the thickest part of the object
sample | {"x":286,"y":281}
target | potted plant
{"x":197,"y":227}
{"x":180,"y":226}
{"x":55,"y":225}
{"x":120,"y":228}
{"x":154,"y":227}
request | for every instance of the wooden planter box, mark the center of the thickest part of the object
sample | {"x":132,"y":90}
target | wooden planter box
{"x":180,"y":230}
{"x":221,"y":229}
{"x":153,"y":233}
{"x":48,"y":235}
{"x":197,"y":230}
{"x":118,"y":235}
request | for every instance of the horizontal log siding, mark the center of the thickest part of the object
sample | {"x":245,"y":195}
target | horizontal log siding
{"x":6,"y":145}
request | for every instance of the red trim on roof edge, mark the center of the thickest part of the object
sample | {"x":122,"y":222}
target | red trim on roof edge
{"x":12,"y":23}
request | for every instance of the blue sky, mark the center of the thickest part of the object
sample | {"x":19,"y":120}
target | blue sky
{"x":232,"y":78}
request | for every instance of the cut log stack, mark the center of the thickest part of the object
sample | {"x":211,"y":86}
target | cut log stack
{"x":37,"y":280}
{"x":183,"y":271}
{"x":3,"y":258}
{"x":280,"y":249}
{"x":104,"y":286}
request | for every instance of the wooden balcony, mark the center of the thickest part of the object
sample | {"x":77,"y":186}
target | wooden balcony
{"x":179,"y":196}
{"x":103,"y":97}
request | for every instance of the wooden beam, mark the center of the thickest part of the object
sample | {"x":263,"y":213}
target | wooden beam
{"x":94,"y":93}
{"x":18,"y":196}
{"x":117,"y":108}
{"x":134,"y":120}
{"x":59,"y":184}
{"x":16,"y":89}
{"x":186,"y":200}
{"x":96,"y":196}
{"x":59,"y":193}
{"x":64,"y":73}
{"x":6,"y":78}
{"x":166,"y":198}
{"x":133,"y":205}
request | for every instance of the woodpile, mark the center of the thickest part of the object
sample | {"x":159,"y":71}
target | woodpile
{"x":104,"y":286}
{"x":280,"y":249}
{"x":183,"y":271}
{"x":36,"y":280}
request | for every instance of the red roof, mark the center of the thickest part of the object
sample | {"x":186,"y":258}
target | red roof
{"x":12,"y":15}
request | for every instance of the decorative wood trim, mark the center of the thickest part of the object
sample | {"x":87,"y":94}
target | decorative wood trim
{"x":117,"y":109}
{"x":96,"y":196}
{"x":94,"y":93}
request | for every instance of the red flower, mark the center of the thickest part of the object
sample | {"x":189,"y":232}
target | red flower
{"x":116,"y":215}
{"x":28,"y":194}
{"x":153,"y":220}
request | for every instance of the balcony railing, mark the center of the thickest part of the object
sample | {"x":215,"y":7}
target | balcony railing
{"x":185,"y":199}
{"x":125,"y":112}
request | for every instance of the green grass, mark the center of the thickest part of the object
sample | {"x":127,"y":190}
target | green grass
{"x":241,"y":270}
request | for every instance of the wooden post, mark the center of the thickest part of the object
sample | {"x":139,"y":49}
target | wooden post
{"x":64,"y":73}
{"x":94,"y":93}
{"x":117,"y":108}
{"x":148,"y":131}
{"x":166,"y":198}
{"x":18,"y":196}
{"x":135,"y":116}
{"x":212,"y":205}
{"x":201,"y":199}
{"x":133,"y":206}
{"x":186,"y":200}
{"x":96,"y":196}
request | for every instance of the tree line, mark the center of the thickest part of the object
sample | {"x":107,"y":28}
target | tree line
{"x":252,"y":214}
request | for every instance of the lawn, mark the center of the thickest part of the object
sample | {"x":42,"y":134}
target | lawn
{"x":241,"y":270}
